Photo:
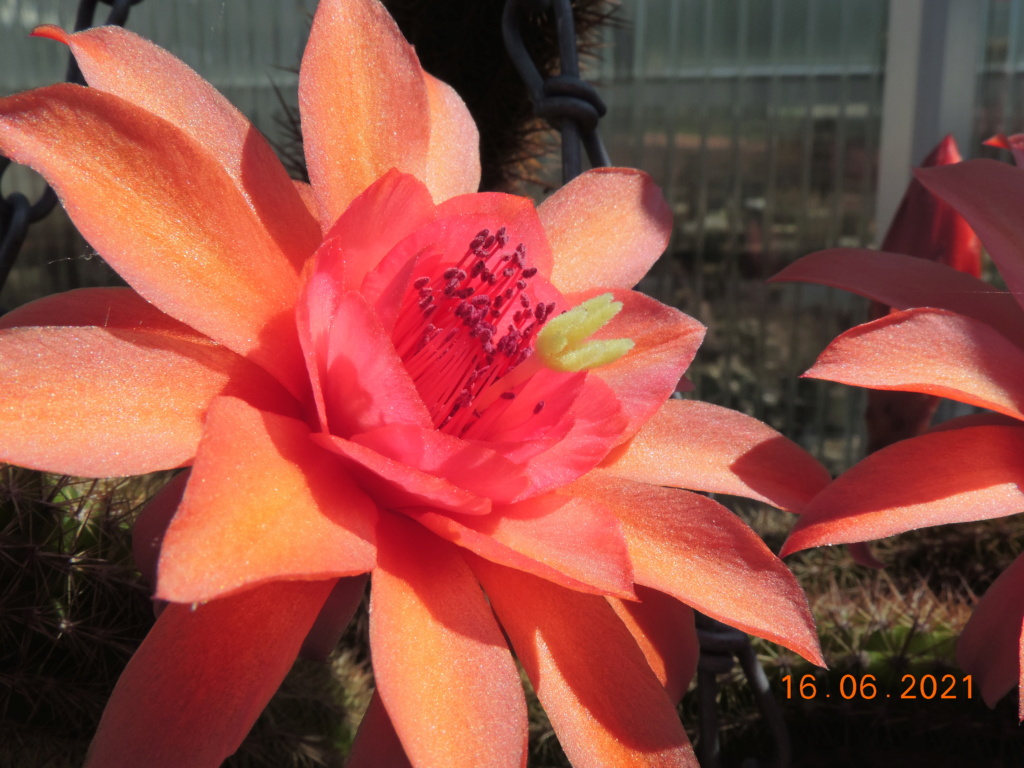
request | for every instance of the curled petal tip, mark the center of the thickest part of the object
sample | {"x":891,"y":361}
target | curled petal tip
{"x":51,"y":31}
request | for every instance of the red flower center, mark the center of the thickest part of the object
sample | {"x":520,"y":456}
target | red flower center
{"x":462,"y":329}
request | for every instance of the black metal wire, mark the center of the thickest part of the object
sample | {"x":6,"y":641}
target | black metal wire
{"x":568,"y":103}
{"x":16,"y":212}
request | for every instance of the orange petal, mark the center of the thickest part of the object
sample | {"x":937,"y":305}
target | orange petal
{"x":704,"y":447}
{"x":932,"y":351}
{"x":97,"y":402}
{"x":109,"y":308}
{"x":666,"y":342}
{"x":453,"y":157}
{"x":989,"y":649}
{"x":363,"y":103}
{"x":492,"y":210}
{"x":573,"y":542}
{"x":902,"y":282}
{"x":376,"y":744}
{"x":202,"y":676}
{"x":598,"y":424}
{"x":947,"y":476}
{"x":664,"y":629}
{"x":394,"y":484}
{"x":366,"y":384}
{"x":986,"y":193}
{"x":120,"y":62}
{"x":382,"y":215}
{"x":467,"y":465}
{"x":164,"y":213}
{"x":443,"y":669}
{"x":697,"y":551}
{"x":606,"y":705}
{"x":263,"y":503}
{"x":151,"y":525}
{"x":334,"y":617}
{"x":607,"y":227}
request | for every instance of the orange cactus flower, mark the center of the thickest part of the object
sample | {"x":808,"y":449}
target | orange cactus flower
{"x":953,"y":336}
{"x":383,"y":372}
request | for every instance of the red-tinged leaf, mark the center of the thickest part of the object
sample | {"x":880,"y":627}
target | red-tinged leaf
{"x":203,"y":675}
{"x":989,"y":648}
{"x":930,"y":228}
{"x":118,"y":61}
{"x":704,"y":447}
{"x":664,"y":629}
{"x":607,"y":228}
{"x":932,"y":351}
{"x":902,"y":282}
{"x":443,"y":669}
{"x":96,"y":402}
{"x":699,"y":552}
{"x":376,"y":744}
{"x":947,"y":476}
{"x":263,"y":503}
{"x":603,"y":700}
{"x":572,"y":542}
{"x":224,"y":275}
{"x":987,"y":194}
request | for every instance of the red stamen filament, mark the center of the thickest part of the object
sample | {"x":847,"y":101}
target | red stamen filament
{"x":463,"y":331}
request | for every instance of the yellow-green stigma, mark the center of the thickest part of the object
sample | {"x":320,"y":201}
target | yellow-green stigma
{"x":562,"y":344}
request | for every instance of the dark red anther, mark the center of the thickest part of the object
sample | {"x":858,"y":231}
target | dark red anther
{"x":508,"y":272}
{"x":539,"y":311}
{"x":481,"y":301}
{"x":426,"y":301}
{"x":524,"y":299}
{"x":420,"y":282}
{"x":488,"y":243}
{"x":517,"y":316}
{"x":508,"y":395}
{"x":502,"y":237}
{"x":479,"y":239}
{"x":529,"y":272}
{"x":521,"y":285}
{"x":479,"y":267}
{"x":538,"y":407}
{"x":509,"y":293}
{"x":465,"y":293}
